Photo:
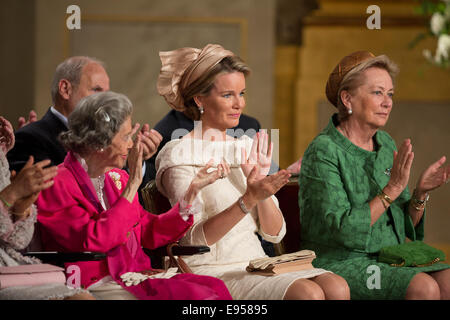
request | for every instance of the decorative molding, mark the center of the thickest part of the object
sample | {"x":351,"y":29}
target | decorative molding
{"x":357,"y":21}
{"x":241,"y":22}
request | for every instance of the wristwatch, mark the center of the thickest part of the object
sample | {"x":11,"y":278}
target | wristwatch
{"x":242,"y":205}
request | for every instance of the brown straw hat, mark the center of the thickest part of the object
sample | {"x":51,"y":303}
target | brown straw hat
{"x":343,"y":67}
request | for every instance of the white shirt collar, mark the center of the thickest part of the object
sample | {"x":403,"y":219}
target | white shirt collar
{"x":60,"y":116}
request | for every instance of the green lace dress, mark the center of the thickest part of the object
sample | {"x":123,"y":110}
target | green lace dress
{"x":337,"y":182}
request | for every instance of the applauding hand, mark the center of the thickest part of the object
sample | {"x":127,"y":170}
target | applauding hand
{"x":32,"y":117}
{"x":204,"y":178}
{"x":150,"y":140}
{"x":33,"y":178}
{"x":260,"y":189}
{"x":401,"y":170}
{"x":260,"y":154}
{"x":434,"y":176}
{"x":6,"y":135}
{"x":25,"y":186}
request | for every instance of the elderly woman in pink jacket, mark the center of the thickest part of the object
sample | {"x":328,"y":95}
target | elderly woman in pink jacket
{"x":93,"y":206}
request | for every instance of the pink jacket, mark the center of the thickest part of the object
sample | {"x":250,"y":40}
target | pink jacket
{"x":72,"y":219}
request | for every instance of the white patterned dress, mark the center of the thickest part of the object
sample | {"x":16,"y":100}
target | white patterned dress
{"x":15,"y":236}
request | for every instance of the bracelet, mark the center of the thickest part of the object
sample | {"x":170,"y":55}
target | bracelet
{"x":7,"y":204}
{"x":382,"y":201}
{"x":386,"y":197}
{"x":419,"y":204}
{"x":242,"y":206}
{"x":419,"y":207}
{"x":22,"y":215}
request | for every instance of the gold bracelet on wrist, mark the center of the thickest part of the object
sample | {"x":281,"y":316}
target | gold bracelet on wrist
{"x":382,"y":201}
{"x":386,"y":197}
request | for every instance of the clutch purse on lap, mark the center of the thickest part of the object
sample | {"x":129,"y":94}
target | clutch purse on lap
{"x":289,"y":262}
{"x":411,"y":254}
{"x":31,"y":275}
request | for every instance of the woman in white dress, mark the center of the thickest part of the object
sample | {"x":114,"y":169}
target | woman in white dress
{"x":208,"y":85}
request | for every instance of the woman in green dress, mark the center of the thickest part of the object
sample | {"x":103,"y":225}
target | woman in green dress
{"x":353,"y":194}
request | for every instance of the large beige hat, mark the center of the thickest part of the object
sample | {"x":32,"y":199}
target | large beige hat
{"x":181,"y":67}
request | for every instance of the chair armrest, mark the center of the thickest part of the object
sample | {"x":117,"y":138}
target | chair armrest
{"x":62,"y":257}
{"x":177,"y":251}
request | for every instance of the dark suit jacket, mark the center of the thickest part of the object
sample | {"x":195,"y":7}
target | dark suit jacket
{"x":177,"y":120}
{"x":39,"y":139}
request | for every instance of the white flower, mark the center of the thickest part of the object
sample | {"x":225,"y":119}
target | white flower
{"x":427,"y":54}
{"x":437,"y":23}
{"x":443,"y":46}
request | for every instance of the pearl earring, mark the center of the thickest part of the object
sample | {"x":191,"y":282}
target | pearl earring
{"x":350,"y":111}
{"x":201,"y":110}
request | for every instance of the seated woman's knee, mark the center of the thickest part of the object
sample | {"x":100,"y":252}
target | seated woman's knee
{"x":304,"y":289}
{"x":334,"y":286}
{"x":423,"y":287}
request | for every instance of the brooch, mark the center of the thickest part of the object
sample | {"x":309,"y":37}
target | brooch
{"x":388,"y":172}
{"x":116,"y":178}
